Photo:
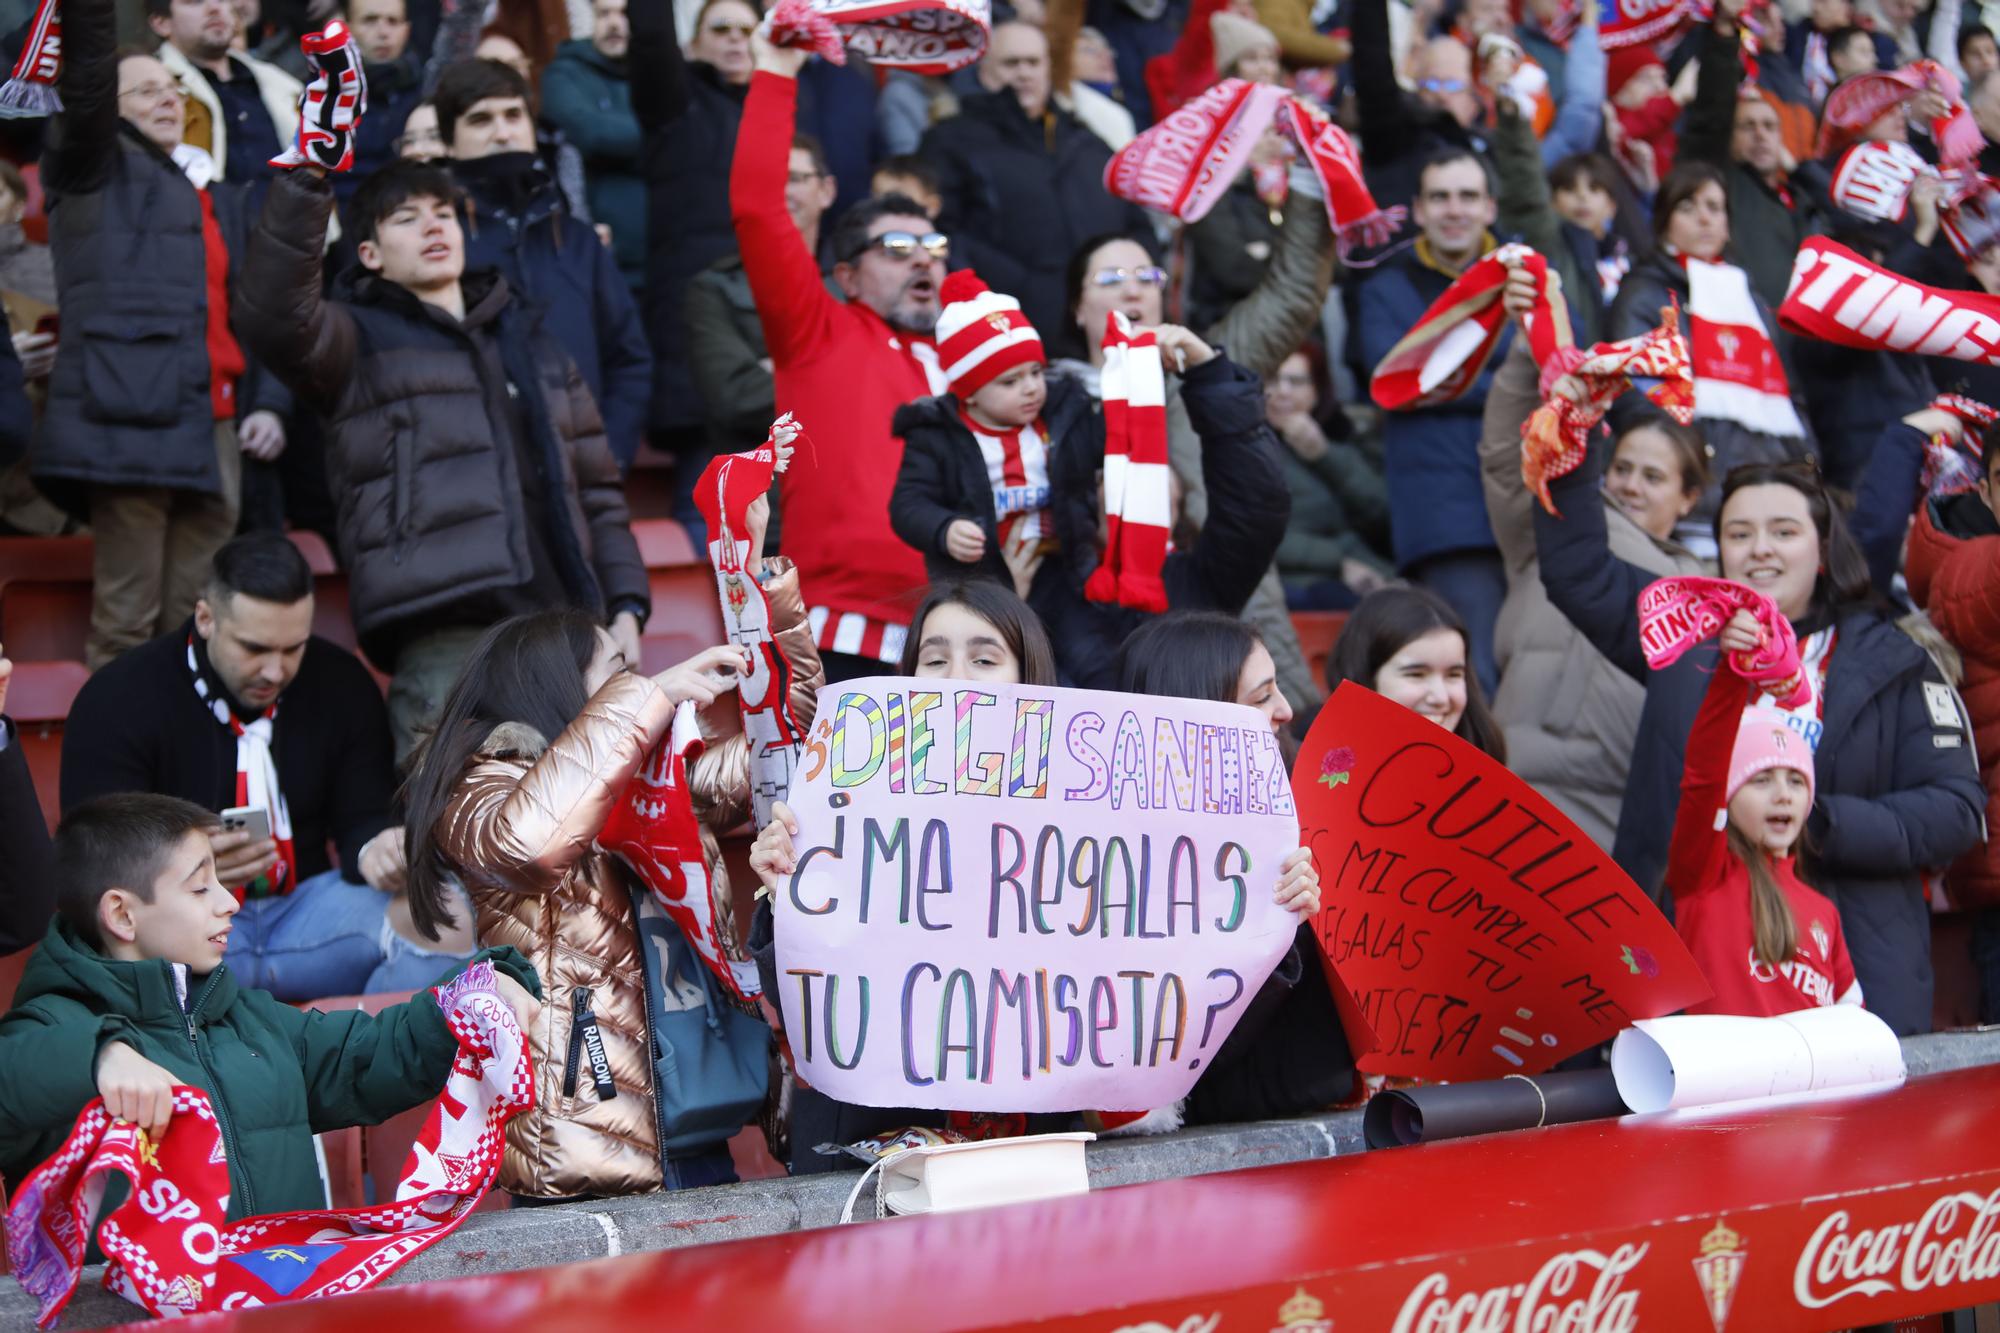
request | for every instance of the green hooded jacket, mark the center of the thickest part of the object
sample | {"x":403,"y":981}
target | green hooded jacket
{"x":276,"y":1075}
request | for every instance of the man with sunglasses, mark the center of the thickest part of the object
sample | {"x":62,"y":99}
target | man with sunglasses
{"x":843,"y":367}
{"x":1022,"y":179}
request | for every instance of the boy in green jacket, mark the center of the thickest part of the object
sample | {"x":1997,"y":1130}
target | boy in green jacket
{"x":128,"y":996}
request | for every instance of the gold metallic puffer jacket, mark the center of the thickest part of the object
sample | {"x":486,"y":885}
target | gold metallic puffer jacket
{"x":521,"y":829}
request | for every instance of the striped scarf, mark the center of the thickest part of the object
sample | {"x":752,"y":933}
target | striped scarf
{"x":1137,"y":498}
{"x":256,"y":783}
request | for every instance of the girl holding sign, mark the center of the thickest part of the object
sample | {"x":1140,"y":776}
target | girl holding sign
{"x":1287,"y":1055}
{"x":1766,"y":942}
{"x":1409,"y":647}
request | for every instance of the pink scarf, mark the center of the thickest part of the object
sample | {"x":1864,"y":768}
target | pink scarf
{"x":1860,"y":101}
{"x":1675,"y":614}
{"x":1137,"y":498}
{"x":1185,"y":164}
{"x":187,"y":1258}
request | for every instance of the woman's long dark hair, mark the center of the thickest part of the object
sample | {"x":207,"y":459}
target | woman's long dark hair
{"x":1186,"y":655}
{"x":1843,"y":573}
{"x":529,"y":669}
{"x":1681,"y":185}
{"x":1020,"y":628}
{"x":1389,"y":620}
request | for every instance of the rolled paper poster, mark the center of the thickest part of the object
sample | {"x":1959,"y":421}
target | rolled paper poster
{"x":1399,"y":1117}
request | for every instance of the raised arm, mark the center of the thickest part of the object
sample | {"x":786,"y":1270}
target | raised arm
{"x":1891,"y":488}
{"x":1386,"y":129}
{"x":1696,"y":855}
{"x":1580,"y":116}
{"x":660,"y":96}
{"x":83,"y":139}
{"x":792,"y":301}
{"x":277,"y":307}
{"x":1302,"y":44}
{"x":521,"y":833}
{"x":1268,"y":325}
{"x":1598,"y":592}
{"x":1249,"y":503}
{"x":1710,"y":121}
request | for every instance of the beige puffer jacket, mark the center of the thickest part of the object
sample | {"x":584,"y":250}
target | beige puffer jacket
{"x":521,"y":829}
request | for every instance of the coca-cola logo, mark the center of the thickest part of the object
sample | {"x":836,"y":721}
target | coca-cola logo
{"x":1954,"y":1243}
{"x":1554,"y":1300}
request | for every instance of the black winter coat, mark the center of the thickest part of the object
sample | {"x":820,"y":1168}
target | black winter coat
{"x":128,"y":401}
{"x":1897,"y":782}
{"x":1248,"y":507}
{"x":138,"y":725}
{"x":515,"y":221}
{"x":944,"y":477}
{"x":1021,"y":195}
{"x":27,"y":880}
{"x":470,"y":468}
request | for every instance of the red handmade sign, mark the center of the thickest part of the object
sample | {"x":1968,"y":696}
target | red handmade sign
{"x":1479,"y":931}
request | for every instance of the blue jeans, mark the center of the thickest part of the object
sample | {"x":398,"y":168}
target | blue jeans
{"x":327,"y":938}
{"x":1474,"y":584}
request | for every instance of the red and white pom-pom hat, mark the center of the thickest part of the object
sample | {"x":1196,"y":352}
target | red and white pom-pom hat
{"x":982,"y":334}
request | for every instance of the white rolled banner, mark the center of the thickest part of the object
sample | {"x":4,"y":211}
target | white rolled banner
{"x":1664,"y":1064}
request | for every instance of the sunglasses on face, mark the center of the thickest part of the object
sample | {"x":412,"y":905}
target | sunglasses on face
{"x":1148,"y":276}
{"x":905,"y":244}
{"x":1441,"y":87}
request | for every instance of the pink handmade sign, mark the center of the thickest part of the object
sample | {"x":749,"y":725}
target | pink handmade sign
{"x":1013,"y":898}
{"x":1678,"y":613}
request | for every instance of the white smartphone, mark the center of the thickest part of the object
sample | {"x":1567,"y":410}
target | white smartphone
{"x":252,"y":819}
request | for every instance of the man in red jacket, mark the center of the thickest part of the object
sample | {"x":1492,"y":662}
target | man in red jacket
{"x":1954,"y":574}
{"x":843,"y":367}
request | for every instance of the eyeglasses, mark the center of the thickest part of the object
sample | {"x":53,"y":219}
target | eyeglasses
{"x":1145,"y":277}
{"x":152,"y":92}
{"x":729,"y":29}
{"x":1442,"y":87}
{"x":905,"y":244}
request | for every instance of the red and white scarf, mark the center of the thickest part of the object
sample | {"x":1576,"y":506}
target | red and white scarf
{"x":1873,"y":179}
{"x":1951,"y":467}
{"x":1971,"y":216}
{"x":256,"y":783}
{"x":922,"y":36}
{"x":1839,"y":297}
{"x":1556,"y":436}
{"x":1864,"y":99}
{"x":653,"y":825}
{"x":1737,"y":374}
{"x":1633,"y":22}
{"x":1184,"y":165}
{"x":1675,"y":614}
{"x":170,"y":1246}
{"x":1137,"y":499}
{"x":334,"y":101}
{"x":31,"y":91}
{"x":1448,"y":348}
{"x":1017,"y":468}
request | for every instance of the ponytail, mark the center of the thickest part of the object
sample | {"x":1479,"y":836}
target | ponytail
{"x":1772,"y":925}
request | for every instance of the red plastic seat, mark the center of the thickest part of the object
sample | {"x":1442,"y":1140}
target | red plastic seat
{"x":319,"y":556}
{"x":38,"y":699}
{"x":663,"y":544}
{"x":1317,"y":631}
{"x":45,"y":597}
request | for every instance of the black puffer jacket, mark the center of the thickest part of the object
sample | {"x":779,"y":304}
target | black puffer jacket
{"x":446,"y":440}
{"x":129,"y":401}
{"x":1897,"y":783}
{"x":944,"y":477}
{"x":1021,"y":195}
{"x":1248,"y":507}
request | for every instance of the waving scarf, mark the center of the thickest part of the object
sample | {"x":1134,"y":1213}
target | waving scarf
{"x":1186,"y":163}
{"x":170,"y":1246}
{"x":922,"y":36}
{"x":1839,"y":297}
{"x":1860,"y":101}
{"x":1737,"y":374}
{"x":653,"y":825}
{"x":1675,"y":614}
{"x":32,"y":89}
{"x":1555,"y":438}
{"x":335,"y":99}
{"x":1447,"y":349}
{"x":1137,"y":497}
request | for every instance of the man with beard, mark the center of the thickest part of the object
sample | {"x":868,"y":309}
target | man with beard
{"x":843,"y":367}
{"x":244,"y":110}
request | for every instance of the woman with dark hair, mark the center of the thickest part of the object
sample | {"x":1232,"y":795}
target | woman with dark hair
{"x":1570,"y":715}
{"x":1410,"y":647}
{"x":1287,"y":1055}
{"x":1898,"y":789}
{"x":1331,"y":555}
{"x":1743,"y":395}
{"x":1589,"y":192}
{"x":1248,"y":509}
{"x":537,"y":742}
{"x":972,"y":630}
